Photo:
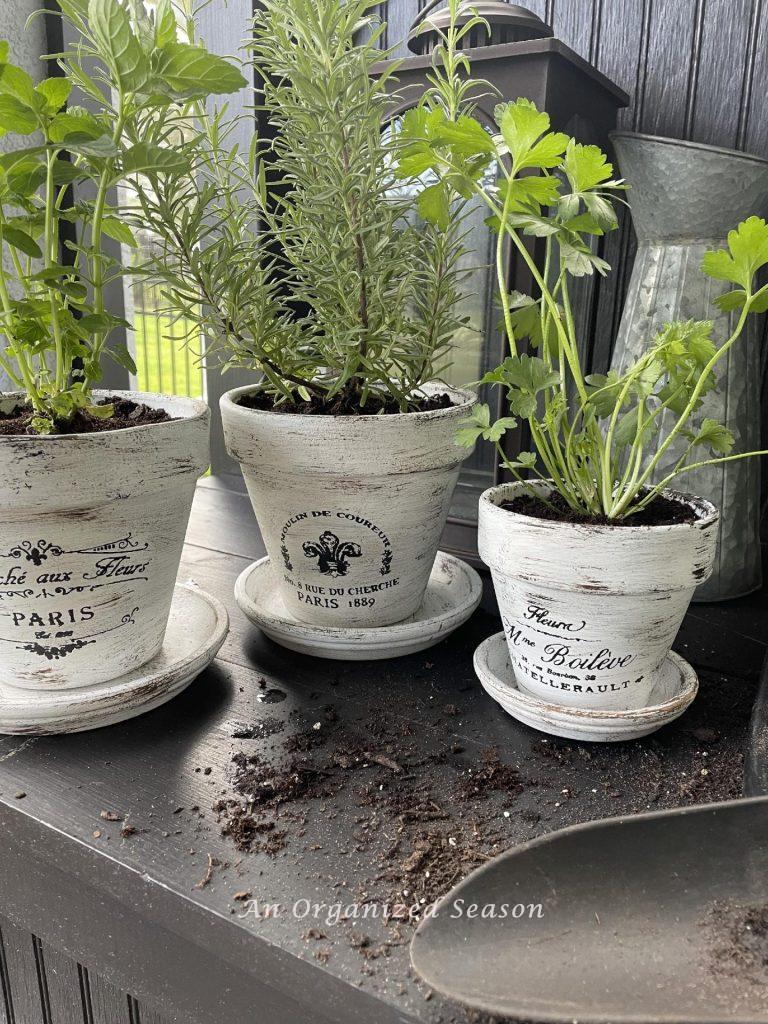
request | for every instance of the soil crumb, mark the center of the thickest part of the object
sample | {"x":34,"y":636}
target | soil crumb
{"x":262,"y":729}
{"x":737,"y":946}
{"x":344,"y":404}
{"x":126,"y":414}
{"x":661,"y":512}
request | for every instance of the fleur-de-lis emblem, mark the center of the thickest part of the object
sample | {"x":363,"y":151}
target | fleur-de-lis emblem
{"x":35,"y":553}
{"x":332,"y":554}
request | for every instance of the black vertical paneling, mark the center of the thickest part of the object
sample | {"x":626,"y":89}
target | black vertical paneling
{"x":669,"y":67}
{"x":748,"y":73}
{"x":573,"y":23}
{"x":724,"y":45}
{"x":108,"y":1005}
{"x":41,"y":985}
{"x":6,"y":1003}
{"x":63,"y":985}
{"x":23,"y":996}
{"x":755,"y":107}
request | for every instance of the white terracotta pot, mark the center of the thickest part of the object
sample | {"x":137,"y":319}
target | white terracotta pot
{"x":351,"y":508}
{"x":590,"y":612}
{"x":91,"y":530}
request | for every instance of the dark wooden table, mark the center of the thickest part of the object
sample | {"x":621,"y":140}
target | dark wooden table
{"x":417,"y":776}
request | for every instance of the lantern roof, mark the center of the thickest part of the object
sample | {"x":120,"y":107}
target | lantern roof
{"x":506,"y":23}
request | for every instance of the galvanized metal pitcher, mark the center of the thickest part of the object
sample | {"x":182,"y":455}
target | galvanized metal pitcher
{"x":685,"y":198}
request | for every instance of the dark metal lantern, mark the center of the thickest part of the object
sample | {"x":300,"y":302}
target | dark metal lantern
{"x":507,"y":23}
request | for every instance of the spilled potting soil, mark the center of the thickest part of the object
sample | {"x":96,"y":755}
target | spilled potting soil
{"x":425,"y":815}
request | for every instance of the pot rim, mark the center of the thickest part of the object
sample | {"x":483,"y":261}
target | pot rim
{"x":197,"y":409}
{"x":707,"y":514}
{"x":468,"y":399}
{"x":687,"y":144}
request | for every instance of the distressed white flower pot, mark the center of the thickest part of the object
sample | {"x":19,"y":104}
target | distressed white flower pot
{"x":590,"y":612}
{"x":351,"y":508}
{"x":91,"y":530}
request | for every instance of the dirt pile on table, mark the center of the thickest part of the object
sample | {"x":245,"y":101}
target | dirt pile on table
{"x":414,"y":804}
{"x":420,"y":844}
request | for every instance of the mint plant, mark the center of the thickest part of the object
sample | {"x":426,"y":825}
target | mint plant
{"x":88,"y":130}
{"x":300,"y":259}
{"x":591,"y":432}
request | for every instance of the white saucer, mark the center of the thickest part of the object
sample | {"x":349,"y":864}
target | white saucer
{"x":453,"y":592}
{"x":197,"y":626}
{"x":675,"y":688}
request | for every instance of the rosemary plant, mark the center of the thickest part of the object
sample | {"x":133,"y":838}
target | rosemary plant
{"x":591,"y":433}
{"x":300,"y":259}
{"x":129,"y":72}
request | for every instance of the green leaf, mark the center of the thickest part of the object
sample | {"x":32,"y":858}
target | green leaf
{"x":55,"y":92}
{"x":479,"y":425}
{"x":414,"y":161}
{"x":17,"y":83}
{"x":146,"y":156}
{"x":192,"y":71}
{"x":528,"y":373}
{"x":118,"y":46}
{"x":747,"y":253}
{"x":41,"y":424}
{"x":25,"y":176}
{"x":101,"y":412}
{"x":75,"y":121}
{"x":586,"y":166}
{"x":548,"y":152}
{"x":602,"y":211}
{"x":466,"y":137}
{"x":65,"y":172}
{"x":731,"y":300}
{"x":521,"y":404}
{"x":74,"y":289}
{"x":626,"y":432}
{"x":581,"y":261}
{"x":120,"y":231}
{"x":165,"y":24}
{"x":521,"y":124}
{"x":533,"y":189}
{"x":119,"y":354}
{"x":530,"y":224}
{"x":603,"y":391}
{"x":21,"y":240}
{"x":717,"y":437}
{"x":434,"y":205}
{"x":466,"y":437}
{"x":16,"y":117}
{"x":497,"y":430}
{"x":51,"y":273}
{"x":583,"y":223}
{"x":101,"y":148}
